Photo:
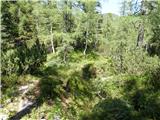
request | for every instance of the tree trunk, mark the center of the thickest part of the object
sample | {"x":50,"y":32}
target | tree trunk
{"x":52,"y":44}
{"x":121,"y":63}
{"x":123,"y":8}
{"x":85,"y":49}
{"x":19,"y":15}
{"x":96,"y":41}
{"x":37,"y":27}
{"x":140,"y":35}
{"x":64,"y":55}
{"x":86,"y":43}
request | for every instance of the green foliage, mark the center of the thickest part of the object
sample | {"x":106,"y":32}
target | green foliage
{"x":79,"y":87}
{"x":111,"y":109}
{"x":18,"y":57}
{"x":9,"y":60}
{"x":9,"y":84}
{"x":49,"y":87}
{"x":31,"y":58}
{"x":132,"y":60}
{"x":9,"y":81}
{"x":154,"y":78}
{"x":9,"y":29}
{"x":95,"y":71}
{"x":154,"y":43}
{"x":88,"y":71}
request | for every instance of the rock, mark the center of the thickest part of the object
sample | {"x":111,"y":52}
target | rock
{"x":12,"y":110}
{"x":27,"y":103}
{"x":24,"y":111}
{"x":22,"y":88}
{"x":56,"y":117}
{"x":3,"y":116}
{"x":8,"y":101}
{"x":24,"y":103}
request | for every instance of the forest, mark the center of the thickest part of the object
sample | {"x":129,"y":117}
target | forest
{"x":66,"y":60}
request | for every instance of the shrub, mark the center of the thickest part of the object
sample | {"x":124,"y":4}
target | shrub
{"x":147,"y":103}
{"x":154,"y":79}
{"x":50,"y":87}
{"x":89,"y":71}
{"x":8,"y":81}
{"x":110,"y":109}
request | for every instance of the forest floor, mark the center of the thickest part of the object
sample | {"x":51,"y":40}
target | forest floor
{"x":21,"y":100}
{"x":44,"y":95}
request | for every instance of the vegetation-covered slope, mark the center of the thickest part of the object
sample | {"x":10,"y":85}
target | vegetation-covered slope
{"x":65,"y":60}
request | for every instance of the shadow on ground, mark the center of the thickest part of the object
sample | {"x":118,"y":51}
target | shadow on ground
{"x":110,"y":109}
{"x":43,"y":91}
{"x":53,"y":84}
{"x":140,"y":101}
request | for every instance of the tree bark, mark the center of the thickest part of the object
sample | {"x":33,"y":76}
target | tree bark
{"x":85,"y":49}
{"x":140,"y":35}
{"x":37,"y":27}
{"x":86,"y":43}
{"x":96,"y":41}
{"x":52,"y":44}
{"x":64,"y":55}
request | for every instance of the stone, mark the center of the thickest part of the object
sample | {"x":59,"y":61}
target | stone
{"x":24,"y":103}
{"x":8,"y":101}
{"x":3,"y":116}
{"x":56,"y":117}
{"x":22,"y":88}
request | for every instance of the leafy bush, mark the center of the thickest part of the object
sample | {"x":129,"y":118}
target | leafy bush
{"x":8,"y":61}
{"x":31,"y":58}
{"x":147,"y":103}
{"x":154,"y":79}
{"x":89,"y":71}
{"x":110,"y":109}
{"x":133,"y":61}
{"x":79,"y":87}
{"x":8,"y":81}
{"x":9,"y":84}
{"x":50,"y":87}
